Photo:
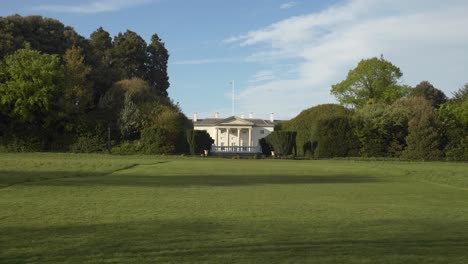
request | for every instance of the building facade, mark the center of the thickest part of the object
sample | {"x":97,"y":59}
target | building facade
{"x":235,"y":134}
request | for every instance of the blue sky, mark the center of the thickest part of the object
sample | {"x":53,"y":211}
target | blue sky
{"x":283,"y":55}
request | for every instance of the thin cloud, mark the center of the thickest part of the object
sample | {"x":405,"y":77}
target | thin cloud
{"x":92,"y":7}
{"x":425,"y":38}
{"x":288,"y":5}
{"x":205,"y":61}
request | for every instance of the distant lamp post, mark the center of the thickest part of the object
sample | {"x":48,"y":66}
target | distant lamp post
{"x":109,"y":144}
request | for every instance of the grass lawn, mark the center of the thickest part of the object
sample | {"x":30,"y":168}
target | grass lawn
{"x":65,"y":208}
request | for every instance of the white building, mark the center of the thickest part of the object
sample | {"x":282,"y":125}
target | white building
{"x":236,"y":134}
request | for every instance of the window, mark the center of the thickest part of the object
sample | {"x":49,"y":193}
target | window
{"x":262,"y":131}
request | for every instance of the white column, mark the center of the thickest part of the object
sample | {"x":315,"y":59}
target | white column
{"x":216,"y":139}
{"x":238,"y":137}
{"x":228,"y":136}
{"x":250,"y":137}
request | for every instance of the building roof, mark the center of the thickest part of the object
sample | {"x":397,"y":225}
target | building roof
{"x":234,"y":120}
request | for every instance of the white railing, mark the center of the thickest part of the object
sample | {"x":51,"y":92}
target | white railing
{"x":235,"y":149}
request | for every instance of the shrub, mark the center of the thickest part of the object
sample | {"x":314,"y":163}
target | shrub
{"x":424,"y":139}
{"x":381,"y":129}
{"x":20,"y":144}
{"x":310,"y":131}
{"x":266,"y":150}
{"x":334,"y":137}
{"x":128,"y":147}
{"x":88,"y":143}
{"x":157,"y":141}
{"x":198,"y":140}
{"x":282,"y":142}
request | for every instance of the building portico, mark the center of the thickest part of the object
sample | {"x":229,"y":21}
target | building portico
{"x":234,"y":134}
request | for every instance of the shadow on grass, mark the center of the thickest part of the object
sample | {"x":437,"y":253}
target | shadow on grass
{"x":200,"y":241}
{"x":55,"y":178}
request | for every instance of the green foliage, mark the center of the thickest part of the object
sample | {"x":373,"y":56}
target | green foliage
{"x":198,"y":141}
{"x":78,"y":92}
{"x":429,"y":92}
{"x":30,"y":84}
{"x":20,"y":143}
{"x":103,"y":74}
{"x":374,"y":80}
{"x":282,"y":142}
{"x":158,"y":56}
{"x":335,"y":137}
{"x":157,"y":140}
{"x":43,"y":34}
{"x":424,"y":139}
{"x":309,"y":131}
{"x":129,"y":148}
{"x":129,"y":55}
{"x":89,"y":143}
{"x":453,"y":119}
{"x":130,"y":119}
{"x":266,"y":149}
{"x":382,"y":129}
{"x":54,"y":94}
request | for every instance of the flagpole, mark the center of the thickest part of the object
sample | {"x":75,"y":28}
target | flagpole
{"x":233,"y":96}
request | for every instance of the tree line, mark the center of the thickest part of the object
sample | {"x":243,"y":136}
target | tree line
{"x":379,"y":117}
{"x":60,"y":91}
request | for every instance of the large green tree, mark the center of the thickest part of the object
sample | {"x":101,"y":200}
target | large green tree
{"x":78,"y":92}
{"x":373,"y":80}
{"x":29,"y":86}
{"x":429,"y":92}
{"x":424,"y":140}
{"x":43,"y":34}
{"x":382,"y":129}
{"x":453,"y":118}
{"x":103,"y":75}
{"x":128,"y":55}
{"x":158,"y":57}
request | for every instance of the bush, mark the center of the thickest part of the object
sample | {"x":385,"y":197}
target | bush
{"x":128,"y":148}
{"x":458,"y":151}
{"x":198,"y":140}
{"x":156,"y":140}
{"x":282,"y":142}
{"x":20,"y":144}
{"x":423,"y":140}
{"x":312,"y":127}
{"x":89,"y":143}
{"x":381,"y":129}
{"x":266,"y":149}
{"x":335,"y":138}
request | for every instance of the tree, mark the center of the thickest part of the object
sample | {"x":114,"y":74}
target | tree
{"x":78,"y":93}
{"x":461,"y":94}
{"x":308,"y":127}
{"x":382,"y":129}
{"x":374,"y":80}
{"x":100,"y":42}
{"x":43,"y":34}
{"x":30,"y":84}
{"x":423,"y":140}
{"x":130,"y":119}
{"x":453,"y":118}
{"x":103,"y":75}
{"x":128,"y":55}
{"x":158,"y":57}
{"x":429,"y":92}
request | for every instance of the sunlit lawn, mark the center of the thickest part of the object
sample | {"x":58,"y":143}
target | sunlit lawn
{"x":65,"y":208}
